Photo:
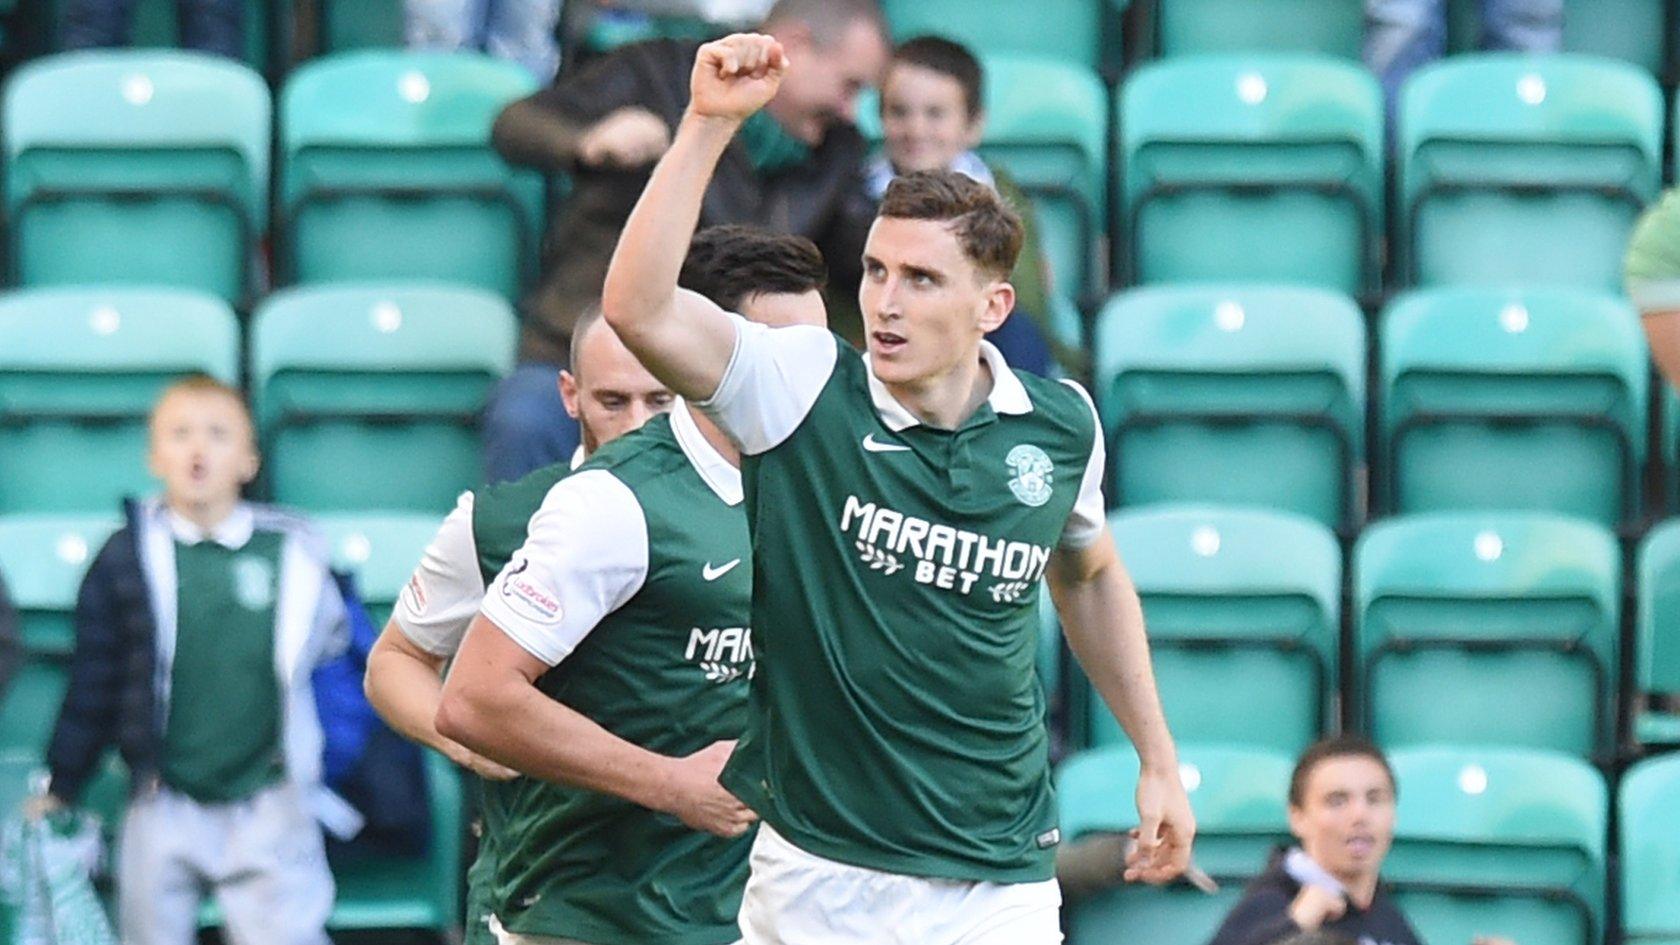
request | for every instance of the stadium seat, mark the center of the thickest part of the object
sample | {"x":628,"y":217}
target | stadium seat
{"x":1243,"y":608}
{"x":1246,"y":395}
{"x":405,"y":892}
{"x":358,"y":24}
{"x":1252,"y":167}
{"x":136,"y":167}
{"x":387,"y":172}
{"x":1488,"y":629}
{"x":79,"y":372}
{"x":1657,"y":635}
{"x":381,"y":551}
{"x":1525,"y":169}
{"x":1238,"y":796}
{"x":1513,"y":399}
{"x":1649,"y":807}
{"x":1629,"y":30}
{"x":1499,"y":842}
{"x":42,"y":560}
{"x":1083,"y":33}
{"x":367,"y":396}
{"x":1331,"y":27}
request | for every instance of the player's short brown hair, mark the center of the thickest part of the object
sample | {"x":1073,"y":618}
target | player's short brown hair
{"x":1339,"y":746}
{"x":732,"y":263}
{"x":988,"y":230}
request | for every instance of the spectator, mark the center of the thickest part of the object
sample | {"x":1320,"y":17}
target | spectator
{"x":796,"y":168}
{"x":520,"y":30}
{"x":932,"y":117}
{"x":181,"y":623}
{"x":1403,"y":35}
{"x":212,"y":26}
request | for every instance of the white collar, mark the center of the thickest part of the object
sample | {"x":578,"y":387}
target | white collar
{"x":1008,"y":396}
{"x":579,"y":455}
{"x":720,"y":474}
{"x":231,"y":533}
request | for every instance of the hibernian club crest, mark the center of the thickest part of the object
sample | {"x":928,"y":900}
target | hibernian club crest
{"x":1031,"y":474}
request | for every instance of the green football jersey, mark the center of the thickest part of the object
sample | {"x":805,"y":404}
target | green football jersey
{"x":634,"y":584}
{"x":896,"y":720}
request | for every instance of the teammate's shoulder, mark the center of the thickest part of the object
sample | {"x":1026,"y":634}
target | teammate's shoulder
{"x":650,"y":449}
{"x":1060,"y":401}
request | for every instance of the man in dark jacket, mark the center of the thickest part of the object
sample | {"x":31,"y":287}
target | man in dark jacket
{"x":796,"y":169}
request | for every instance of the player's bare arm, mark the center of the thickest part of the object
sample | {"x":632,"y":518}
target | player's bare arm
{"x":1103,"y":622}
{"x":404,"y":684}
{"x":492,"y":705}
{"x":684,"y":339}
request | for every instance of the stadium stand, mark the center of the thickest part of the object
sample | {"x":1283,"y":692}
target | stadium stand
{"x":1244,"y":608}
{"x":1238,"y":394}
{"x":1530,"y":398}
{"x":1648,"y":804}
{"x":381,"y":550}
{"x":1461,"y":619}
{"x":136,"y":167}
{"x":1256,"y":167}
{"x":1084,"y":33}
{"x":79,"y":371}
{"x":1657,"y":637}
{"x":348,"y":380}
{"x":1332,"y":27}
{"x":387,"y":172}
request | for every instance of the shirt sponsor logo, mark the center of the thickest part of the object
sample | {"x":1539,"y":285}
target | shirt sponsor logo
{"x":876,"y":446}
{"x":416,"y":594}
{"x":253,"y":582}
{"x":527,"y":598}
{"x":1031,"y":474}
{"x":948,"y":558}
{"x":711,"y":574}
{"x":725,"y":654}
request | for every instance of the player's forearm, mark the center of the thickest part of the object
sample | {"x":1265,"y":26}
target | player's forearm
{"x":1102,"y":620}
{"x":404,"y":688}
{"x":550,"y":741}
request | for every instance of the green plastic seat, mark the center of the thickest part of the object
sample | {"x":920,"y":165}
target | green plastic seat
{"x":1514,"y":399}
{"x":1488,"y":628}
{"x":1332,"y":27}
{"x":1084,"y":33}
{"x":1629,"y":30}
{"x":1239,"y":797}
{"x":1244,"y":395}
{"x":79,"y":372}
{"x":1243,"y":608}
{"x":1525,"y":169}
{"x":368,"y":396}
{"x":387,"y":172}
{"x":1648,"y":804}
{"x":1252,"y":167}
{"x":136,"y":167}
{"x":380,"y":550}
{"x":1657,"y":633}
{"x":1499,"y":842}
{"x":359,"y":24}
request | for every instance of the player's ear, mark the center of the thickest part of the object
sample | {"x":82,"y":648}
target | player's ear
{"x":1000,"y":301}
{"x":569,"y":393}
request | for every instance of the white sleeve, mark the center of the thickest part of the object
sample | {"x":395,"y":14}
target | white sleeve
{"x":586,"y":553}
{"x":773,"y":379}
{"x":444,"y":592}
{"x":1086,"y":520}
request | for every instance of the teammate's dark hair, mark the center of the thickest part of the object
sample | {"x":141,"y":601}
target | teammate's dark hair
{"x":1338,"y":746}
{"x":948,"y":58}
{"x":987,"y":229}
{"x":827,"y":19}
{"x":729,"y":264}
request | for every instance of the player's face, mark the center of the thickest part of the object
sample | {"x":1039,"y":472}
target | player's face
{"x":781,"y":309}
{"x":202,"y":448}
{"x":924,"y":119}
{"x":925,"y":304}
{"x":610,"y":394}
{"x":1346,"y":818}
{"x":823,"y":82}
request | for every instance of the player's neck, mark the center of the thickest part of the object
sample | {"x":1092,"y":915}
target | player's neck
{"x":719,"y":440}
{"x":207,"y":515}
{"x":944,"y":401}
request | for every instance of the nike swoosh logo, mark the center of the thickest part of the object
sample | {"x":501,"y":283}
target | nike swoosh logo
{"x":711,"y":574}
{"x":873,"y":446}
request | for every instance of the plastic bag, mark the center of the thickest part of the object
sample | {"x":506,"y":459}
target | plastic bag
{"x":46,"y":878}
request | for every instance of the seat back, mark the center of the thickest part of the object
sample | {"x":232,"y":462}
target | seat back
{"x":79,"y":373}
{"x":1243,"y":608}
{"x":1523,"y":169}
{"x":388,"y":171}
{"x":348,"y":378}
{"x":1246,"y":395}
{"x":1648,"y":803}
{"x":1252,"y":166}
{"x":138,"y":167}
{"x":1085,"y":33}
{"x":1331,"y":27}
{"x":1459,"y":618}
{"x":382,"y":551}
{"x":1518,"y":399}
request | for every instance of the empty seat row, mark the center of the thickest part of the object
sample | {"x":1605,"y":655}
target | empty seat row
{"x":366,"y":396}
